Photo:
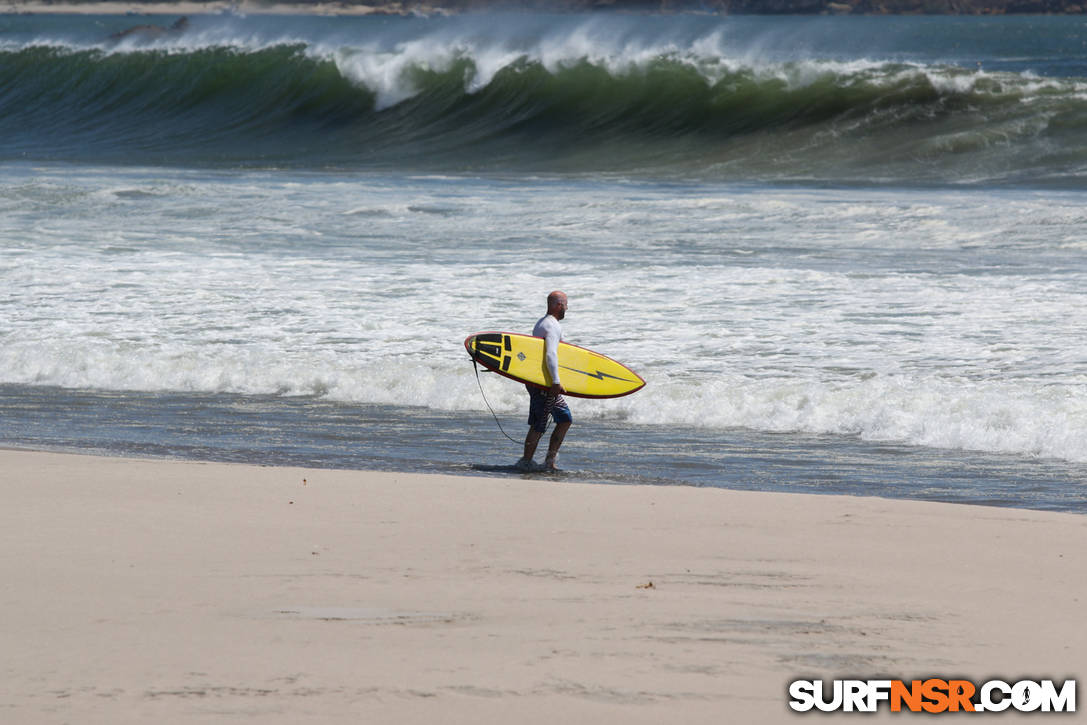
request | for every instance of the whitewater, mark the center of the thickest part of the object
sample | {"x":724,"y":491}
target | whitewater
{"x":844,"y":262}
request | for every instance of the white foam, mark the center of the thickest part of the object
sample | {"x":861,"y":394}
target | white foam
{"x":993,"y":416}
{"x":931,"y":319}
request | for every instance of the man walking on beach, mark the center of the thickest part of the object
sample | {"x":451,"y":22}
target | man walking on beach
{"x":545,"y":403}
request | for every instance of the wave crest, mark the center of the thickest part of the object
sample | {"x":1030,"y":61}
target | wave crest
{"x":561,"y":107}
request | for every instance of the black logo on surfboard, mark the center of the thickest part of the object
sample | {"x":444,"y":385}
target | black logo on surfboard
{"x":599,"y":374}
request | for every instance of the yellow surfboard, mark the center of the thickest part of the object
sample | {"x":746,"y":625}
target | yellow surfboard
{"x":584,"y":373}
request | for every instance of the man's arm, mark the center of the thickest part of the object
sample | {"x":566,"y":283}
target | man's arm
{"x":551,"y":358}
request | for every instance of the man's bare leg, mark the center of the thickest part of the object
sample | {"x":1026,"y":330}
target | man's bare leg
{"x":553,"y":446}
{"x":532,"y":439}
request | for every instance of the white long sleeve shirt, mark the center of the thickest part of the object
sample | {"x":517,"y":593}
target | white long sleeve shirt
{"x":551,"y":331}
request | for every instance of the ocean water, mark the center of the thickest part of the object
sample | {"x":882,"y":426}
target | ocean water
{"x":849,"y":255}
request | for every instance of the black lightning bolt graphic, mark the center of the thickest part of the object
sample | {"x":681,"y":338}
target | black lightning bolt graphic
{"x":599,"y":375}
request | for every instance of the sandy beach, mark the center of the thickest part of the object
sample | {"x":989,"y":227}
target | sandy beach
{"x":179,"y":592}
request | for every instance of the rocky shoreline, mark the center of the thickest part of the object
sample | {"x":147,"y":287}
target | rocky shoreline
{"x":429,"y":7}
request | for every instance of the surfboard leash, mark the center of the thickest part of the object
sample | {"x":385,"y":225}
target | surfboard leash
{"x":475,"y":366}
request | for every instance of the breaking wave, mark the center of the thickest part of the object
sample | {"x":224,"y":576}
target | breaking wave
{"x":570,"y":103}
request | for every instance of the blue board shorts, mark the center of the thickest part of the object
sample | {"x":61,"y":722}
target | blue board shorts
{"x":541,"y":405}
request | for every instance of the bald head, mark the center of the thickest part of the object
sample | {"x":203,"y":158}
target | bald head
{"x":556,"y":304}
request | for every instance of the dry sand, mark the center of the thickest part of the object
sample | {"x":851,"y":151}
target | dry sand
{"x":180,"y":592}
